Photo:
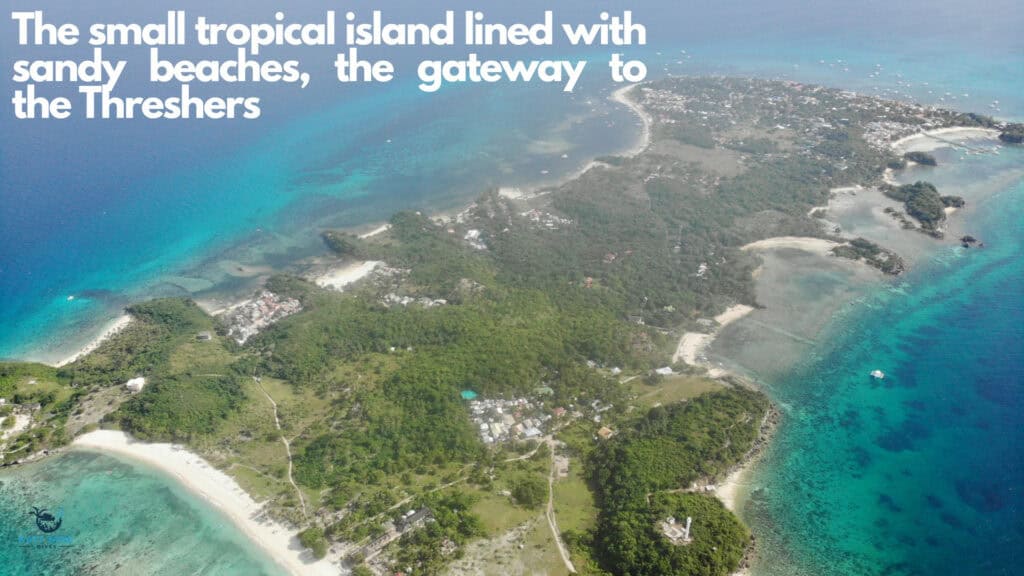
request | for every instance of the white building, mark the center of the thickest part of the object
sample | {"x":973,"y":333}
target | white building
{"x":135,"y":385}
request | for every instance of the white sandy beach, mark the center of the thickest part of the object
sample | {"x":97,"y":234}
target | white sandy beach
{"x":807,"y":244}
{"x":113,"y":327}
{"x":730,"y":490}
{"x":621,"y":96}
{"x":338,"y":278}
{"x":220,"y":490}
{"x":939,"y":138}
{"x":692,"y":344}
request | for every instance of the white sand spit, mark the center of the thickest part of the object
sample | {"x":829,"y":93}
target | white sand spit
{"x":807,"y":244}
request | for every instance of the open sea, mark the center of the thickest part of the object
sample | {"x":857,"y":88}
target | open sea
{"x":921,"y":473}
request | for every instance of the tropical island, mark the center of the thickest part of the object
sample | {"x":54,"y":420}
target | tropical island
{"x":1013,"y":133}
{"x":501,"y":390}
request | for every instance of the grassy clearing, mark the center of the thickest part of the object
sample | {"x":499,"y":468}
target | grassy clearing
{"x":539,"y":554}
{"x":574,"y":503}
{"x":498,"y":513}
{"x":671,"y":389}
{"x":207,"y":357}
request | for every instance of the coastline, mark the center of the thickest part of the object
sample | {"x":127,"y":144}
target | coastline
{"x":621,"y":96}
{"x":187,"y":468}
{"x":818,"y":246}
{"x":940,"y":137}
{"x":730,"y":490}
{"x":219,"y":490}
{"x":734,"y":491}
{"x":112,"y":328}
{"x":692,"y":345}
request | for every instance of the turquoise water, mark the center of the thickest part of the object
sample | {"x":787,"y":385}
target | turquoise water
{"x":922,"y":472}
{"x":168,"y":531}
{"x":918,"y":474}
{"x":264,"y":202}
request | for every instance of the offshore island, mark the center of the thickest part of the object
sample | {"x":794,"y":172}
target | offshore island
{"x":522,"y":385}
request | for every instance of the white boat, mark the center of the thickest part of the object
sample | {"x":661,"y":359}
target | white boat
{"x":877,"y":374}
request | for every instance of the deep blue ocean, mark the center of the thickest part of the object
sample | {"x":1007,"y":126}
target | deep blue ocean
{"x":919,"y":475}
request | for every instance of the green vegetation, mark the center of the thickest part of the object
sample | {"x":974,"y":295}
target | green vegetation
{"x":424,"y":550}
{"x":176,"y":407}
{"x":1013,"y":134}
{"x":670,"y":389}
{"x":313,"y":538}
{"x":859,"y":248}
{"x":557,"y":292}
{"x":758,"y":145}
{"x":669,"y":449}
{"x":144,"y":346}
{"x":896,"y":164}
{"x":692,"y":134}
{"x":922,"y":158}
{"x":922,"y":201}
{"x":342,"y":244}
{"x":530,"y":491}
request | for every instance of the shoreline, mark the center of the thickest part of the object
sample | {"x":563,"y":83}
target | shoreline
{"x":621,"y":96}
{"x":193,"y":473}
{"x":338,"y":278}
{"x":806,"y":243}
{"x":221,"y":491}
{"x":939,"y":138}
{"x":734,"y":490}
{"x":112,"y":328}
{"x":692,"y":345}
{"x":728,"y":491}
{"x":333,"y":277}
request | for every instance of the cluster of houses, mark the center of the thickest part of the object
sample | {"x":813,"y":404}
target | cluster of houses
{"x":728,"y":108}
{"x":247,"y":319}
{"x":392,"y":299}
{"x":474,"y":238}
{"x":880,"y":133}
{"x":545,"y":219}
{"x":504,"y":420}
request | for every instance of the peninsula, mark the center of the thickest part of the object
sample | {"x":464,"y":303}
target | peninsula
{"x":516,"y":388}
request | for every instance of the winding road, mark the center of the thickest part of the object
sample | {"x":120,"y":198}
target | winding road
{"x":287,"y":446}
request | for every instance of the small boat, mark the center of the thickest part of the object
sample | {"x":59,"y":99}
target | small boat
{"x":878,"y":374}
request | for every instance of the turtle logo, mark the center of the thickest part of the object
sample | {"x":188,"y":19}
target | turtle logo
{"x":45,"y":521}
